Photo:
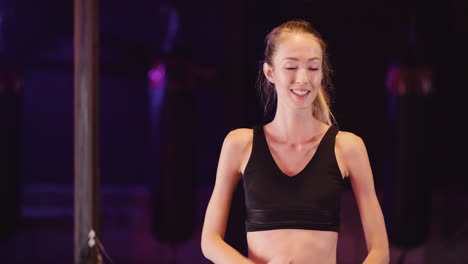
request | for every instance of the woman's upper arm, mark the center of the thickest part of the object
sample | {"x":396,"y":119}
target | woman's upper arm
{"x":228,"y":174}
{"x":358,"y":169}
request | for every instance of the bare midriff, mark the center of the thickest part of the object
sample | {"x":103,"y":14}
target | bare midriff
{"x":292,"y":246}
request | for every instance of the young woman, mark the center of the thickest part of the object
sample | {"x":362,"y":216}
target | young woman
{"x":293,"y":168}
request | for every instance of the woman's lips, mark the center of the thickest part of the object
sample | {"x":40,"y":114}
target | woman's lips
{"x":300,"y":92}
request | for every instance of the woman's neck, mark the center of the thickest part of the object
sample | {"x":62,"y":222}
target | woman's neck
{"x":295,"y":126}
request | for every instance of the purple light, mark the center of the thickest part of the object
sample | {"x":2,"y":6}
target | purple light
{"x":156,"y":76}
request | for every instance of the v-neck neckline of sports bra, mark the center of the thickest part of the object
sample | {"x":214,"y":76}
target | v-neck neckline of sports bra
{"x":319,"y":146}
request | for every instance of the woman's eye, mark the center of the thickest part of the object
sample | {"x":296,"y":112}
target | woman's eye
{"x":290,"y":68}
{"x":313,"y":69}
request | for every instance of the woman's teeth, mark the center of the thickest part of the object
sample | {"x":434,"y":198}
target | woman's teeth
{"x":300,"y":92}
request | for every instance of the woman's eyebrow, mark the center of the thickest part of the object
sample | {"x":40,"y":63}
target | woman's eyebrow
{"x":296,"y":59}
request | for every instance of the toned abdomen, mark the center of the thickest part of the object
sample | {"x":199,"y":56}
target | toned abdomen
{"x":292,"y":246}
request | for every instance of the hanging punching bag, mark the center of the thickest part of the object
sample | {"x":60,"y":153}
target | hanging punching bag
{"x":174,"y":190}
{"x":174,"y":204}
{"x":10,"y":116}
{"x":407,"y":181}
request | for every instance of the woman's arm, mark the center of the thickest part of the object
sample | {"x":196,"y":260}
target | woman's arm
{"x":228,"y":175}
{"x":359,"y":170}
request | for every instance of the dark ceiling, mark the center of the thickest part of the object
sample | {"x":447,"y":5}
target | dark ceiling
{"x":30,"y":27}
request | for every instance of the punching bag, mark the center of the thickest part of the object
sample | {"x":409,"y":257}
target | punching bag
{"x":174,"y":186}
{"x":10,"y":116}
{"x":408,"y":193}
{"x":408,"y":175}
{"x":174,"y":193}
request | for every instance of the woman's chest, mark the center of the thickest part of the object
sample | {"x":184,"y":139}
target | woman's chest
{"x":292,"y":159}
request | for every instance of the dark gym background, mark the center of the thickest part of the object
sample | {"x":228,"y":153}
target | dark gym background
{"x":177,"y":76}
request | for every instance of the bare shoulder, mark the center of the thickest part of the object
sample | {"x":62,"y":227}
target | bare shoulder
{"x":236,"y":146}
{"x":239,"y":138}
{"x":351,"y":151}
{"x":350,"y":144}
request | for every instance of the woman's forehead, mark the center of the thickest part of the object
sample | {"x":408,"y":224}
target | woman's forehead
{"x":298,"y":46}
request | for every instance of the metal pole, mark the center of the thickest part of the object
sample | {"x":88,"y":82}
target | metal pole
{"x":86,"y":163}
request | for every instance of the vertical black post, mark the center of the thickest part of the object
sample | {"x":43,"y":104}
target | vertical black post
{"x":86,"y":129}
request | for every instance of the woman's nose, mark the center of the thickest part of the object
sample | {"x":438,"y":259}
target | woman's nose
{"x":302,"y":76}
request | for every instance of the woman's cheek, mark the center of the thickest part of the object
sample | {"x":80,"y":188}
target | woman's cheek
{"x":316,"y":79}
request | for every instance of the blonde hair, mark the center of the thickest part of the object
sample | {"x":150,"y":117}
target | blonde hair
{"x":321,"y":109}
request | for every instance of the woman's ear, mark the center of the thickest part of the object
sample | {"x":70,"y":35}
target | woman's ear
{"x":268,"y":71}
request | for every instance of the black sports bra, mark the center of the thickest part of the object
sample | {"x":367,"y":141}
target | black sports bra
{"x":309,"y":200}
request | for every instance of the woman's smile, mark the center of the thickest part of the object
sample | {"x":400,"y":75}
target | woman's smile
{"x":300,"y":93}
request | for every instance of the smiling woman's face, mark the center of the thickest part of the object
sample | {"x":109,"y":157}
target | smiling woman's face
{"x":297,"y":69}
